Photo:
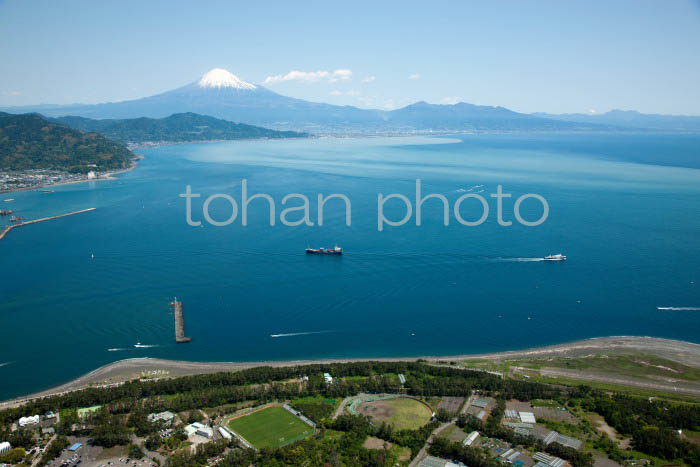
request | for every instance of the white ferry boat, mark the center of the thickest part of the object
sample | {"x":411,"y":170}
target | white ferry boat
{"x":558,"y":257}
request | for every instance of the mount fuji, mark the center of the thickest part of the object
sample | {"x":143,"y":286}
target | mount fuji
{"x":219,"y":93}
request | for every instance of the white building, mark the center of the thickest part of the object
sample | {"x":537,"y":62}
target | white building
{"x":527,"y":417}
{"x":471,"y":438}
{"x":190,"y":430}
{"x":5,"y":447}
{"x":206,"y":431}
{"x":24,"y":421}
{"x":225,"y":434}
{"x":328,"y":378}
{"x":165,"y":417}
{"x":91,"y":175}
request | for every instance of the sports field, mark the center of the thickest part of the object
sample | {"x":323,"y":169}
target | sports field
{"x":270,"y":428}
{"x":401,"y":412}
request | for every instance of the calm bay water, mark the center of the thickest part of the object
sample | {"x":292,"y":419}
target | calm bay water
{"x":624,"y":208}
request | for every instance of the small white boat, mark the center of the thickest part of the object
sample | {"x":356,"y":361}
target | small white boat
{"x":558,"y":257}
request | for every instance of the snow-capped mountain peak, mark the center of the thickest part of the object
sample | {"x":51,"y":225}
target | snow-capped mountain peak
{"x":220,"y":78}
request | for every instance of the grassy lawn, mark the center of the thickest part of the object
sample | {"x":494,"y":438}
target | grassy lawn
{"x":402,"y":453}
{"x":640,"y":366}
{"x":637,"y":391}
{"x":408,"y":413}
{"x":86,"y":411}
{"x":270,"y":428}
{"x":333,"y":434}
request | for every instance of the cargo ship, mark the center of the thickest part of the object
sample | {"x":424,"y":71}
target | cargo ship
{"x":325,"y":251}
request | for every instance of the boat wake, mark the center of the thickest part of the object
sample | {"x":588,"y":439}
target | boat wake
{"x":678,"y":308}
{"x":472,"y":188}
{"x":5,"y":364}
{"x":139,"y":345}
{"x":115,"y":350}
{"x":522,"y":260}
{"x":292,"y":334}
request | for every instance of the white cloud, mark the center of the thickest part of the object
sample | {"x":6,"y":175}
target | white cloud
{"x":369,"y":79}
{"x":352,"y":92}
{"x":340,"y":75}
{"x":311,"y":76}
{"x":414,"y":76}
{"x":452,"y":100}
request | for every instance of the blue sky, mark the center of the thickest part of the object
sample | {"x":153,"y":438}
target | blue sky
{"x":528,"y":56}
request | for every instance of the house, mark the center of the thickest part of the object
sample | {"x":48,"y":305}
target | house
{"x":24,"y":421}
{"x":5,"y":447}
{"x":328,"y":378}
{"x":402,"y":378}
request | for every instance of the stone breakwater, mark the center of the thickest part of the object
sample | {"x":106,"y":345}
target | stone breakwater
{"x":7,"y":229}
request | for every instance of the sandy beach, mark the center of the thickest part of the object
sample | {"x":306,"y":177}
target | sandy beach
{"x":116,"y":373}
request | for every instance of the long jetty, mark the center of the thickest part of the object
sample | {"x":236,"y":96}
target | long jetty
{"x":180,"y":337}
{"x":7,"y":229}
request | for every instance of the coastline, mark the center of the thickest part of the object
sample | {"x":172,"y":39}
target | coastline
{"x":113,"y":374}
{"x":106,"y":176}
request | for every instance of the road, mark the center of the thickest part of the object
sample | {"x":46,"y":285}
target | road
{"x":424,"y":450}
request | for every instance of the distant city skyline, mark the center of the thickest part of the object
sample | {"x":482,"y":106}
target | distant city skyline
{"x":543,"y":56}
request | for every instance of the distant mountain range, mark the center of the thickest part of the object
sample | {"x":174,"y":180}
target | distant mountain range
{"x":223,"y":95}
{"x":175,"y":128}
{"x":31,"y":142}
{"x":632,"y":119}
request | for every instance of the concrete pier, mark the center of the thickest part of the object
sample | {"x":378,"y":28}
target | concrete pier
{"x":7,"y":229}
{"x":179,"y":323}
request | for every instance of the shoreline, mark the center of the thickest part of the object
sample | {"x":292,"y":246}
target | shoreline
{"x":116,"y":373}
{"x":107,"y":176}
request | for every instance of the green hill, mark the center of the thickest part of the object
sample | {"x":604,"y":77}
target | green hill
{"x":182,"y":127}
{"x":28,"y":141}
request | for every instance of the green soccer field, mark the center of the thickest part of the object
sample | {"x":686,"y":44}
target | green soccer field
{"x":270,"y":428}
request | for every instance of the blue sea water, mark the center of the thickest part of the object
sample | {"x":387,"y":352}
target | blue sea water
{"x":623,"y":207}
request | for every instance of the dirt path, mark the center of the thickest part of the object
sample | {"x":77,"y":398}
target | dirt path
{"x":341,"y":408}
{"x":678,"y":388}
{"x":424,"y":450}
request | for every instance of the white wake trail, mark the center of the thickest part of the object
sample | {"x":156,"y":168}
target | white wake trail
{"x":522,"y":260}
{"x":292,"y":334}
{"x":678,"y":308}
